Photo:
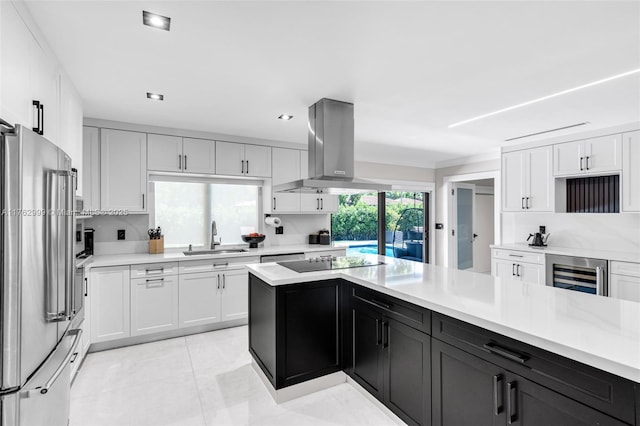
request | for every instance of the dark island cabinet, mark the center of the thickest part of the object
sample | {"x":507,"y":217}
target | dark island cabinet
{"x":294,"y":330}
{"x":468,"y":390}
{"x":392,"y":361}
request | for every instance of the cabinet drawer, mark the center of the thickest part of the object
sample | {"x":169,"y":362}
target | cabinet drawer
{"x":212,"y":265}
{"x":519,"y":256}
{"x":601,"y":390}
{"x":625,"y":268}
{"x":404,"y":312}
{"x":154,"y":270}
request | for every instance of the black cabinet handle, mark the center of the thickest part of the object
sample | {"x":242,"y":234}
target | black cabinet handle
{"x":522,"y":203}
{"x":41,"y":119}
{"x":380,"y":304}
{"x":513,"y":269}
{"x":179,"y":161}
{"x":512,"y":404}
{"x":587,"y":158}
{"x":321,"y":203}
{"x":242,"y":162}
{"x":86,"y":287}
{"x":497,"y":394}
{"x":385,"y":334}
{"x":518,"y":270}
{"x":495,"y":349}
{"x":274,"y":203}
{"x":247,"y":166}
{"x":185,"y":162}
{"x":378,"y":333}
{"x":581,"y":168}
{"x":527,"y":202}
{"x":142,"y":201}
{"x":317,"y":203}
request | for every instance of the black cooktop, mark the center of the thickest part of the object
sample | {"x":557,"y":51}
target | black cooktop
{"x":328,"y":263}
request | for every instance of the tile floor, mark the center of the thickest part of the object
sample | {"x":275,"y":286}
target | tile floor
{"x":204,"y":379}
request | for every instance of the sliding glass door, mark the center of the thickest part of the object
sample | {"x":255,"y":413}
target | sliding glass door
{"x":393,"y":224}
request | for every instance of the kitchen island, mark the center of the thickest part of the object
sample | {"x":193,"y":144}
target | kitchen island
{"x":505,"y":349}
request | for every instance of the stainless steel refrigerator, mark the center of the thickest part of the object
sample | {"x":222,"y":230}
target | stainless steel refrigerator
{"x":37,"y":298}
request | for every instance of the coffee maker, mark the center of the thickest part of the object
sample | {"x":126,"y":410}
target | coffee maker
{"x":539,"y":238}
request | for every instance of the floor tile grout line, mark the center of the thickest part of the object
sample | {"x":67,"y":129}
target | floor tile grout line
{"x":195,"y":380}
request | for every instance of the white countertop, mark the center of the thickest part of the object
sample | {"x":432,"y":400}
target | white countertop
{"x":579,"y":252}
{"x":597,"y":331}
{"x":175,"y":256}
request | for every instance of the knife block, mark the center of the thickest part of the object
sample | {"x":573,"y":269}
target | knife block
{"x":156,"y":246}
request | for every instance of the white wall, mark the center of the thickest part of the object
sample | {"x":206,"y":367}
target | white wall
{"x":367,"y":170}
{"x":610,"y":231}
{"x":105,"y":237}
{"x":441,"y":198}
{"x":296,"y":228}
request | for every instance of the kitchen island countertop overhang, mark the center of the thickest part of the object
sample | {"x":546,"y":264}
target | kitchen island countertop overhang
{"x":597,"y":331}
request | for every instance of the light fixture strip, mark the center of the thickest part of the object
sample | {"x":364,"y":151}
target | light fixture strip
{"x":553,"y":95}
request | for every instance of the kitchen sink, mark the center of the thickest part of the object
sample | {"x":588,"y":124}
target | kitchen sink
{"x":223,"y":251}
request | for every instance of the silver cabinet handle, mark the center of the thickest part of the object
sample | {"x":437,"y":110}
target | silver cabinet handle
{"x":512,"y":402}
{"x":599,"y":282}
{"x":219,"y":265}
{"x":179,"y":161}
{"x":515,"y":255}
{"x":70,"y":266}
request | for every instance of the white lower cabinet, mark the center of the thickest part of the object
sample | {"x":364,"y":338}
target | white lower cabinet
{"x":518,"y":265}
{"x":320,"y":203}
{"x":154,"y":305}
{"x":235,"y":294}
{"x":109,"y":296}
{"x":625,"y":281}
{"x":199,"y":299}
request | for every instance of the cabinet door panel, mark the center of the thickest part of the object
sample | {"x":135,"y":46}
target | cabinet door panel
{"x":566,"y":158}
{"x":110,"y":303}
{"x":366,"y":351}
{"x":123,"y":170}
{"x":198,"y":299}
{"x":329,"y":203}
{"x":235,"y":294}
{"x":257,"y":160}
{"x":407,"y":389}
{"x":531,"y":273}
{"x":605,"y":154}
{"x":631,"y":172}
{"x":285,"y":202}
{"x":229,"y":158}
{"x":310,"y":203}
{"x":536,"y":405}
{"x":513,"y":170}
{"x":154,"y":305}
{"x":199,"y":156}
{"x":466,"y":389}
{"x":540,"y":180}
{"x":164,"y":153}
{"x":286,"y":165}
{"x":626,"y":288}
{"x":91,"y":166}
{"x":503,"y":269}
{"x":45,"y":83}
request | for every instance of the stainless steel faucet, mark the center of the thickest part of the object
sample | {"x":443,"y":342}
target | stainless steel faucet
{"x":214,"y":232}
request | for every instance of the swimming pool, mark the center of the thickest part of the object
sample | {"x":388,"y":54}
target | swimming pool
{"x":367,"y":249}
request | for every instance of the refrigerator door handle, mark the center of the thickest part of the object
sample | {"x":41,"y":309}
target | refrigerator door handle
{"x":70,"y":264}
{"x":40,"y":385}
{"x":52,"y":205}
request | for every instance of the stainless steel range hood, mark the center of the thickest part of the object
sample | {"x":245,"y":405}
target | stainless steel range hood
{"x":331,"y":153}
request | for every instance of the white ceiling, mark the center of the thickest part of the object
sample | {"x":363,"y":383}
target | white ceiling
{"x":410,"y":68}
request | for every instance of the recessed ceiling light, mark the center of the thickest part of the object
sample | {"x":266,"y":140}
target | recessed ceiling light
{"x":156,"y":21}
{"x":285,"y":117}
{"x":553,"y":95}
{"x":155,"y":96}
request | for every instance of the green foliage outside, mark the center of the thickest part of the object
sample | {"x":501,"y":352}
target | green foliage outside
{"x":356,"y":220}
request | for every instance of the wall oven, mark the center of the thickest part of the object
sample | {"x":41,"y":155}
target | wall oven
{"x":578,"y":274}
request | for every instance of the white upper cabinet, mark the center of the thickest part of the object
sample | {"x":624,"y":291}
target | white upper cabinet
{"x":123,"y":170}
{"x":285,"y":168}
{"x":590,"y":156}
{"x":164,"y":153}
{"x":90,"y":174}
{"x":177,"y":154}
{"x":199,"y":155}
{"x":631,"y":172}
{"x":527,"y":181}
{"x":236,"y":159}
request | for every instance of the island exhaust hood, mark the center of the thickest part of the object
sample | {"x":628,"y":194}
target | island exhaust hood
{"x":331,"y":153}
